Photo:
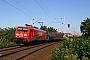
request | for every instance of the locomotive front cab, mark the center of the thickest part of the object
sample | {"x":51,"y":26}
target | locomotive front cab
{"x":21,"y":34}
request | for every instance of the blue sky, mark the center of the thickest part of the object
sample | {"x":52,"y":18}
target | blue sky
{"x":18,"y":12}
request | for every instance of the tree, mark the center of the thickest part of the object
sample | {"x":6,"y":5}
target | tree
{"x":7,"y":34}
{"x":85,"y":27}
{"x":48,"y":29}
{"x":43,"y":28}
{"x":7,"y":37}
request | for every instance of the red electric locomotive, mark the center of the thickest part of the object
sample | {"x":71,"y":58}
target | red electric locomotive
{"x":26,"y":34}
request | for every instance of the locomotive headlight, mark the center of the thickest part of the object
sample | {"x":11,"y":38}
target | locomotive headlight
{"x":25,"y":34}
{"x":17,"y":34}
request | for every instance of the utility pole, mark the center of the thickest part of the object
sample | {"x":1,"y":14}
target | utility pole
{"x":62,"y":23}
{"x":41,"y":23}
{"x":74,"y":31}
{"x":31,"y":21}
{"x":64,"y":26}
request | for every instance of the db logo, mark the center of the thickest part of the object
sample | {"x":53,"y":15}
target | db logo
{"x":40,"y":33}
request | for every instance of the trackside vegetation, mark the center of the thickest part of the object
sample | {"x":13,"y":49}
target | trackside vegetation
{"x":7,"y":37}
{"x":72,"y":49}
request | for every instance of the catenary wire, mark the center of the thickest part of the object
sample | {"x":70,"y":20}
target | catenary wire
{"x":43,"y":9}
{"x":16,"y":8}
{"x":47,"y":8}
{"x":25,"y":8}
{"x":49,"y":12}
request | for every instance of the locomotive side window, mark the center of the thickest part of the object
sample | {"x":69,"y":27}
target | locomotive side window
{"x":23,"y":29}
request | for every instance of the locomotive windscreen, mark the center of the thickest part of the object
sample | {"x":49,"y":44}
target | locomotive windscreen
{"x":23,"y":29}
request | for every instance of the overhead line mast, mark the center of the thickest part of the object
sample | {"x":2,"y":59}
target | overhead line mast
{"x":62,"y":23}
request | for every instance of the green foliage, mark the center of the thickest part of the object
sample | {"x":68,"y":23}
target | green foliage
{"x":85,"y":26}
{"x":72,"y":49}
{"x":48,"y":29}
{"x":6,"y":43}
{"x":7,"y":37}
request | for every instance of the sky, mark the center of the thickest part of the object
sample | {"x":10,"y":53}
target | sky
{"x":52,"y":13}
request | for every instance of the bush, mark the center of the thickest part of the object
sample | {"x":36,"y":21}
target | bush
{"x":72,"y":49}
{"x":7,"y":37}
{"x":6,"y":44}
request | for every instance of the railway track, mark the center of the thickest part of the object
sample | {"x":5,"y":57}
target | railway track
{"x":19,"y":53}
{"x":9,"y":48}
